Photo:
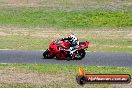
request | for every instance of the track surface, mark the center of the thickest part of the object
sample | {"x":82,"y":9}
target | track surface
{"x":91,"y":58}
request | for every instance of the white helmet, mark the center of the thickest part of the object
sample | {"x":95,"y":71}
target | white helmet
{"x":73,"y":37}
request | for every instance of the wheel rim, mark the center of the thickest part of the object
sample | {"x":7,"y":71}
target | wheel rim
{"x":80,"y":55}
{"x":46,"y":54}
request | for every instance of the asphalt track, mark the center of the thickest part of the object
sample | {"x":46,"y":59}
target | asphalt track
{"x":92,"y":58}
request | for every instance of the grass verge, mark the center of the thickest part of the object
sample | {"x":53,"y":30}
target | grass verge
{"x":39,"y":39}
{"x":65,"y":73}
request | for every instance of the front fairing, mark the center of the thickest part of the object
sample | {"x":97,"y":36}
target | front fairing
{"x":83,"y":45}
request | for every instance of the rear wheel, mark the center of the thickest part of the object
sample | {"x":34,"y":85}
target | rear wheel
{"x":46,"y":55}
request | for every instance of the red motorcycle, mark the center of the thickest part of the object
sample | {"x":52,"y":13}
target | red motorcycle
{"x":59,"y":49}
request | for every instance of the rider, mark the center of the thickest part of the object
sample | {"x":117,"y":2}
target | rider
{"x":74,"y":43}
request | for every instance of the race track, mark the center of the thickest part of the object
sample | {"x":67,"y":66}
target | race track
{"x":92,"y":58}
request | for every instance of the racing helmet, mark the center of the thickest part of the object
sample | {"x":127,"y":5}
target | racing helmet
{"x":73,"y":37}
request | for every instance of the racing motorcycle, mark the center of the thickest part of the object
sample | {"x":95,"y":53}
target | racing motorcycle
{"x":59,"y":49}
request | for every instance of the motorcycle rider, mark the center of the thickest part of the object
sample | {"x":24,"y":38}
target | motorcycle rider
{"x":74,"y":43}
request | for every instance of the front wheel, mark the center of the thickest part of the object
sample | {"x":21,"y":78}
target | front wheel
{"x":46,"y":55}
{"x":80,"y":54}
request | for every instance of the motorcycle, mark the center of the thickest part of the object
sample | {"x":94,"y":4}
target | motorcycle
{"x":59,"y":49}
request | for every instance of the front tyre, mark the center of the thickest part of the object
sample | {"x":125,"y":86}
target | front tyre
{"x":80,"y":54}
{"x":46,"y":55}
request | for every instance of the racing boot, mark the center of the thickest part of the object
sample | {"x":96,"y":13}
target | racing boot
{"x":72,"y":53}
{"x":71,"y":50}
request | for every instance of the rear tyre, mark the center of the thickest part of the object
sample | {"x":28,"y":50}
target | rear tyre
{"x":46,"y":55}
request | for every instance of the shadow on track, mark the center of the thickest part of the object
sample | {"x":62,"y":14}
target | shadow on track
{"x":67,"y":59}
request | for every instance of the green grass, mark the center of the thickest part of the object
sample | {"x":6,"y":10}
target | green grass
{"x":23,"y":43}
{"x":35,"y":17}
{"x":65,"y":69}
{"x":34,"y":43}
{"x":69,"y":71}
{"x":110,"y":45}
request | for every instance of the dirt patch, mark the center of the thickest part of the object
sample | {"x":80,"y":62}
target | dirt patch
{"x":12,"y":76}
{"x":21,"y":2}
{"x":121,"y":85}
{"x":9,"y":31}
{"x":129,"y":46}
{"x":112,"y":46}
{"x":53,"y":33}
{"x":15,"y":76}
{"x":70,"y":4}
{"x":3,"y":33}
{"x":129,"y":36}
